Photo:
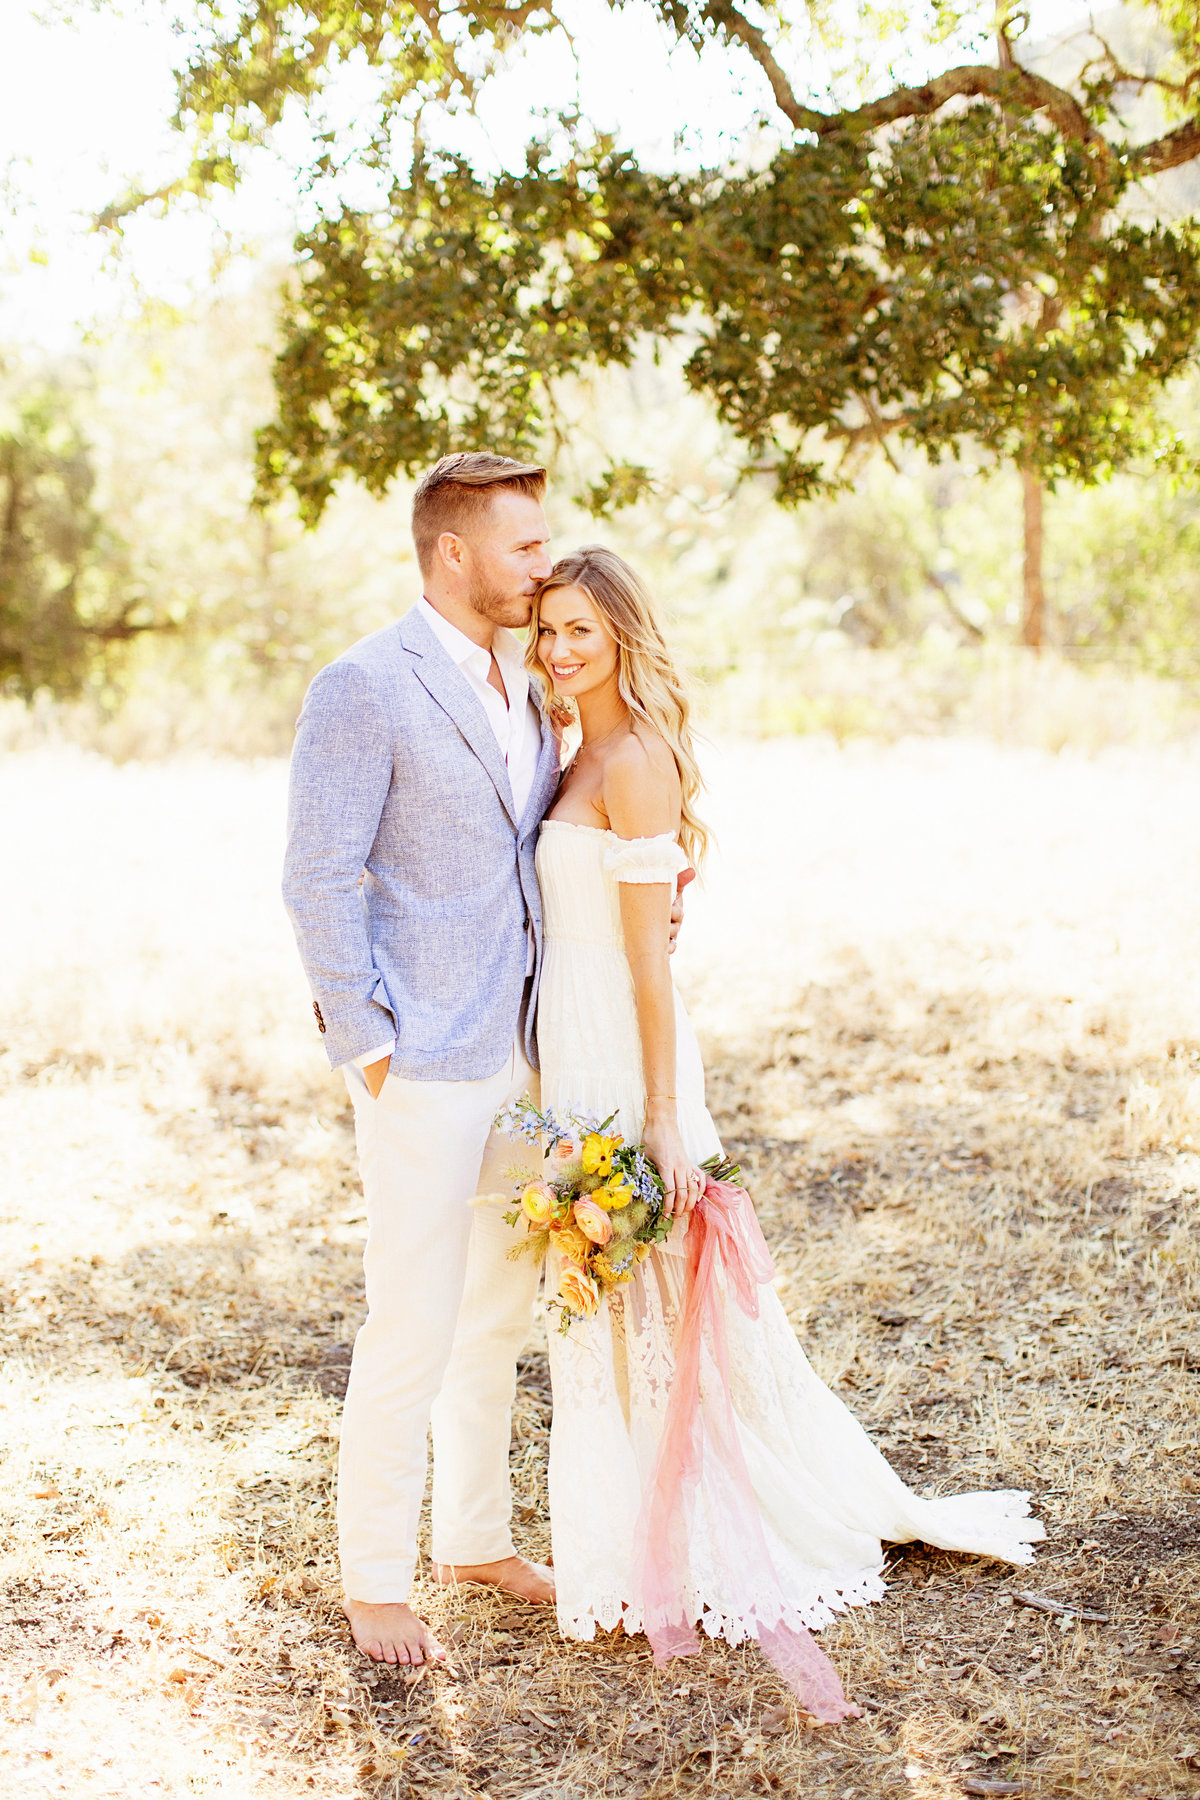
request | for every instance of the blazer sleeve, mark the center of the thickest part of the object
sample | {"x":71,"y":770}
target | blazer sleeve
{"x":340,"y":775}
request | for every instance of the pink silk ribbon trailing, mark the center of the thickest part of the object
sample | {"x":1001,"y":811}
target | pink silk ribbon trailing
{"x":724,"y":1230}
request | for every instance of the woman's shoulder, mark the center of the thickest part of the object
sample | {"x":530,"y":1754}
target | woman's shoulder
{"x":642,"y":754}
{"x":641,"y":779}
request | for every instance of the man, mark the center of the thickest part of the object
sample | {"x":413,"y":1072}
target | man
{"x":421,"y":771}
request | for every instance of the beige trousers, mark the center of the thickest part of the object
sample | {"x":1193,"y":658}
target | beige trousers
{"x":447,"y":1314}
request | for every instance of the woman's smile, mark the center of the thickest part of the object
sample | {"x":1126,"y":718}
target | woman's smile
{"x":574,"y":645}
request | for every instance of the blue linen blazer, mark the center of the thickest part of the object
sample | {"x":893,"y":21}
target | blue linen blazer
{"x":408,"y":877}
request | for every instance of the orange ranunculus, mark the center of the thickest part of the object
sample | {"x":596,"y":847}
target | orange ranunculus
{"x":564,"y":1151}
{"x":598,"y":1154}
{"x":538,"y":1202}
{"x":592,"y":1220}
{"x":578,"y":1291}
{"x":569,"y":1239}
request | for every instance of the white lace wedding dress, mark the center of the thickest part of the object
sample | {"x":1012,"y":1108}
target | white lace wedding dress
{"x":826,"y":1497}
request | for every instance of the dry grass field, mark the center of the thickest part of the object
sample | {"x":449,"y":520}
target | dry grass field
{"x":950,"y":996}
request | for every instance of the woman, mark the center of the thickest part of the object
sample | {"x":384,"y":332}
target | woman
{"x":787,"y":1507}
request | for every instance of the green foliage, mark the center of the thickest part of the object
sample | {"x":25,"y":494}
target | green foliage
{"x":57,"y":561}
{"x":47,"y":528}
{"x":1128,"y":572}
{"x":900,"y":266}
{"x":958,"y":288}
{"x":250,"y":65}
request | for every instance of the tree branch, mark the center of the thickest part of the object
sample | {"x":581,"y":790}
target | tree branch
{"x":1011,"y":86}
{"x":1168,"y":152}
{"x":121,"y":628}
{"x":110,"y":218}
{"x":736,"y":25}
{"x":1015,"y":86}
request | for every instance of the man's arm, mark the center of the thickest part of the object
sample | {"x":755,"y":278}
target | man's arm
{"x":340,"y":775}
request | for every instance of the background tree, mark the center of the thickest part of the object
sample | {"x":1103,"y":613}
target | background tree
{"x":966,"y":259}
{"x":63,"y":605}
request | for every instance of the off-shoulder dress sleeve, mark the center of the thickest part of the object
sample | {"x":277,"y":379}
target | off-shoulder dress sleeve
{"x":645,"y":859}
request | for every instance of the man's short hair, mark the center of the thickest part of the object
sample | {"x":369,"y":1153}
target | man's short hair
{"x":458,"y":489}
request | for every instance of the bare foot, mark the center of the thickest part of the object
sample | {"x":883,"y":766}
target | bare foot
{"x":392,"y":1633}
{"x":528,"y":1581}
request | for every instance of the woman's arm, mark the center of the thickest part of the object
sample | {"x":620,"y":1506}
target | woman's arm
{"x":641,"y":798}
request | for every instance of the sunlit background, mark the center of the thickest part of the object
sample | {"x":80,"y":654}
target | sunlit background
{"x":943,"y":964}
{"x":884,"y":609}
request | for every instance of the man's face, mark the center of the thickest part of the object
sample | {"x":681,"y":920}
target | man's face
{"x":506,"y":556}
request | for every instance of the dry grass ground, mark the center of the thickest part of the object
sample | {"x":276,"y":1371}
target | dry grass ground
{"x":951,"y":1000}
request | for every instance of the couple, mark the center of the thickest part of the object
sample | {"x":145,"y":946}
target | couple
{"x":464,"y":911}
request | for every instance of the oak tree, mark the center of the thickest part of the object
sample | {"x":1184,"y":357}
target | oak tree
{"x":970,"y":258}
{"x":63,"y":603}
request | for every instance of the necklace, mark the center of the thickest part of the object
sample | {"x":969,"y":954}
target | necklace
{"x":595,"y":743}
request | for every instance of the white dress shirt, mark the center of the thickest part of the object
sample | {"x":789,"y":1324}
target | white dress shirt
{"x":514,"y":721}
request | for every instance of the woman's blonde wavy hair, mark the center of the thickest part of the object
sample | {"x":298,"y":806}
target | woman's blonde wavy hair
{"x":647,"y":679}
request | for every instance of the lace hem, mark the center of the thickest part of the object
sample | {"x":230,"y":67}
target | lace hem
{"x":997,"y":1524}
{"x":831,"y":1594}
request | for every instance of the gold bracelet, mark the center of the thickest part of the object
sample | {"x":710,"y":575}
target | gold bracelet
{"x":662,"y":1096}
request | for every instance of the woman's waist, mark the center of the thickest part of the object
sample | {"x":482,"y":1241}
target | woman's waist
{"x":580,"y":937}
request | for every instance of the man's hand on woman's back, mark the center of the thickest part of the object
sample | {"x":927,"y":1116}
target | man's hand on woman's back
{"x":685,"y":875}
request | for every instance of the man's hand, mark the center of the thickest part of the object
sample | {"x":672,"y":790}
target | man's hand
{"x":375,"y":1074}
{"x":677,"y":907}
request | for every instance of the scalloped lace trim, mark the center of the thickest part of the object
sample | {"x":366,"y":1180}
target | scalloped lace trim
{"x":835,"y":1593}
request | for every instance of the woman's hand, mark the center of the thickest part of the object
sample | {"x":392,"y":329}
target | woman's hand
{"x":683,"y":1182}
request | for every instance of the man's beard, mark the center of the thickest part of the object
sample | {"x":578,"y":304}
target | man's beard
{"x":512,"y":610}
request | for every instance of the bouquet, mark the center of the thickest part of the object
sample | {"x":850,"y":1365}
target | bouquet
{"x":601,"y":1204}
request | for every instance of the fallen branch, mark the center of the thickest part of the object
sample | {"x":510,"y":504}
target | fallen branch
{"x":1042,"y":1603}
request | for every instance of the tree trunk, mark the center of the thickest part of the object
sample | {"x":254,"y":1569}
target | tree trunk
{"x":1033,"y":611}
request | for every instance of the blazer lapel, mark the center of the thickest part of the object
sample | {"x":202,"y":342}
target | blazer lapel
{"x":441,"y":677}
{"x":545,"y":779}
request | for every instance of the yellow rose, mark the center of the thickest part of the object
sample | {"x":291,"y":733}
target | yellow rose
{"x":592,"y":1220}
{"x":598,"y":1154}
{"x":571,"y":1242}
{"x":577,"y":1290}
{"x":538,"y":1202}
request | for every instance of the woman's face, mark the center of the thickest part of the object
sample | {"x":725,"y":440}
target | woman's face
{"x":575,"y":645}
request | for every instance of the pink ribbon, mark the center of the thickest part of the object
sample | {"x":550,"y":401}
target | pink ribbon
{"x":722,"y":1228}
